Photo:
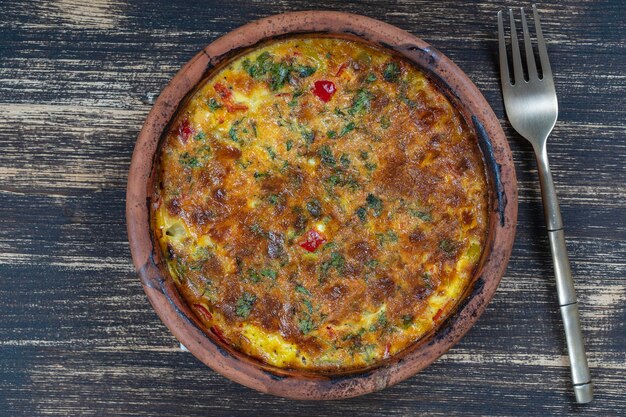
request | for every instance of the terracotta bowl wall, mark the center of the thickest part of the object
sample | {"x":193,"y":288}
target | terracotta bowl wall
{"x":207,"y":347}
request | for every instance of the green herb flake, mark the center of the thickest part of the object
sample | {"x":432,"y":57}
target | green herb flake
{"x":213,"y":104}
{"x":326,"y":155}
{"x":381,"y":322}
{"x":422,"y":215}
{"x":361,"y":102}
{"x":232,"y":132}
{"x":259,"y":175}
{"x":189,"y":161}
{"x":306,"y":325}
{"x":273,"y":199}
{"x":347,"y":129}
{"x":289,"y":145}
{"x":308,"y":305}
{"x":344,"y":159}
{"x":253,"y":276}
{"x":302,"y":290}
{"x":364,"y":155}
{"x":244,"y":305}
{"x":304,"y":70}
{"x":269,"y":273}
{"x":391,"y":72}
{"x":375,"y":204}
{"x":385,"y":122}
{"x":371,"y":77}
{"x":314,"y":208}
{"x":407,"y":320}
{"x":331,"y":134}
{"x":200,"y":136}
{"x":307,"y":135}
{"x":336,"y":261}
{"x":370,"y":166}
{"x":271,"y":152}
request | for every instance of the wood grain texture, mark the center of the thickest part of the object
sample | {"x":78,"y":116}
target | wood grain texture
{"x":77,"y":335}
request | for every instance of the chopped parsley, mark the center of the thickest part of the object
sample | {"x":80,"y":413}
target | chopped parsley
{"x":361,"y":212}
{"x":370,"y":166}
{"x":244,"y":305}
{"x":307,"y":135}
{"x":232,"y":132}
{"x":422,"y":215}
{"x":336,"y":261}
{"x":385,"y":122}
{"x":347,"y":129}
{"x":302,"y":290}
{"x":213,"y":104}
{"x":189,"y":161}
{"x":271,"y":152}
{"x":304,"y":70}
{"x":200,"y":136}
{"x":391,"y":72}
{"x":361,"y":102}
{"x":371,"y":77}
{"x":275,"y":73}
{"x":375,"y":204}
{"x":269,"y":273}
{"x":326,"y":155}
{"x":306,"y":324}
{"x":289,"y":144}
{"x":331,"y":134}
{"x":314,"y":208}
{"x":253,"y":276}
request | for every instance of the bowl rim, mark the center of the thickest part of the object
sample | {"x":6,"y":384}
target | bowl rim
{"x":247,"y":371}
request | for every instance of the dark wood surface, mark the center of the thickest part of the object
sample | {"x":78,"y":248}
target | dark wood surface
{"x":77,"y":335}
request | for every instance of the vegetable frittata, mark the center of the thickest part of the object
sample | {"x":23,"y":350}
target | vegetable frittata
{"x":320,"y":203}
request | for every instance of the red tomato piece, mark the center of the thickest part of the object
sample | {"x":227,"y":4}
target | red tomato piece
{"x":185,"y":130}
{"x":204,"y":311}
{"x":324,"y":90}
{"x":312,"y":240}
{"x":226,"y":96}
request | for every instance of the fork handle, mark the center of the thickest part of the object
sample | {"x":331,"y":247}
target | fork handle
{"x":564,"y":284}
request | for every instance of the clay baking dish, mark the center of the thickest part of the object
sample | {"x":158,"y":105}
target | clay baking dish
{"x":161,"y":290}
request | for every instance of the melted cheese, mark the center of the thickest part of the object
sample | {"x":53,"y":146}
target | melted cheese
{"x":320,"y":234}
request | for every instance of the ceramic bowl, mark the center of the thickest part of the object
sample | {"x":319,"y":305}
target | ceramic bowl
{"x":182,"y":322}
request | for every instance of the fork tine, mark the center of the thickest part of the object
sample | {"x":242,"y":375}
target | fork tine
{"x":504,"y":62}
{"x":541,"y":47}
{"x":518,"y":71}
{"x":530,"y":56}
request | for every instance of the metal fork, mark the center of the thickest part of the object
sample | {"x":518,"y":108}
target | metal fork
{"x":532,"y":109}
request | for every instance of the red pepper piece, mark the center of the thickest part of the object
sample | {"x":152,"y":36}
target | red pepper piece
{"x":227,"y":98}
{"x":312,"y":240}
{"x":204,"y":311}
{"x":185,"y":130}
{"x":387,"y":350}
{"x":218,"y":332}
{"x":324,"y":90}
{"x":341,"y":69}
{"x":439,"y":313}
{"x":222,"y":90}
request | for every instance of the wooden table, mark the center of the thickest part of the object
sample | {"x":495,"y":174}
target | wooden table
{"x":77,"y":335}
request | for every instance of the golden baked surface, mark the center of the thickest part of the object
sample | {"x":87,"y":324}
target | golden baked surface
{"x":320,"y":204}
